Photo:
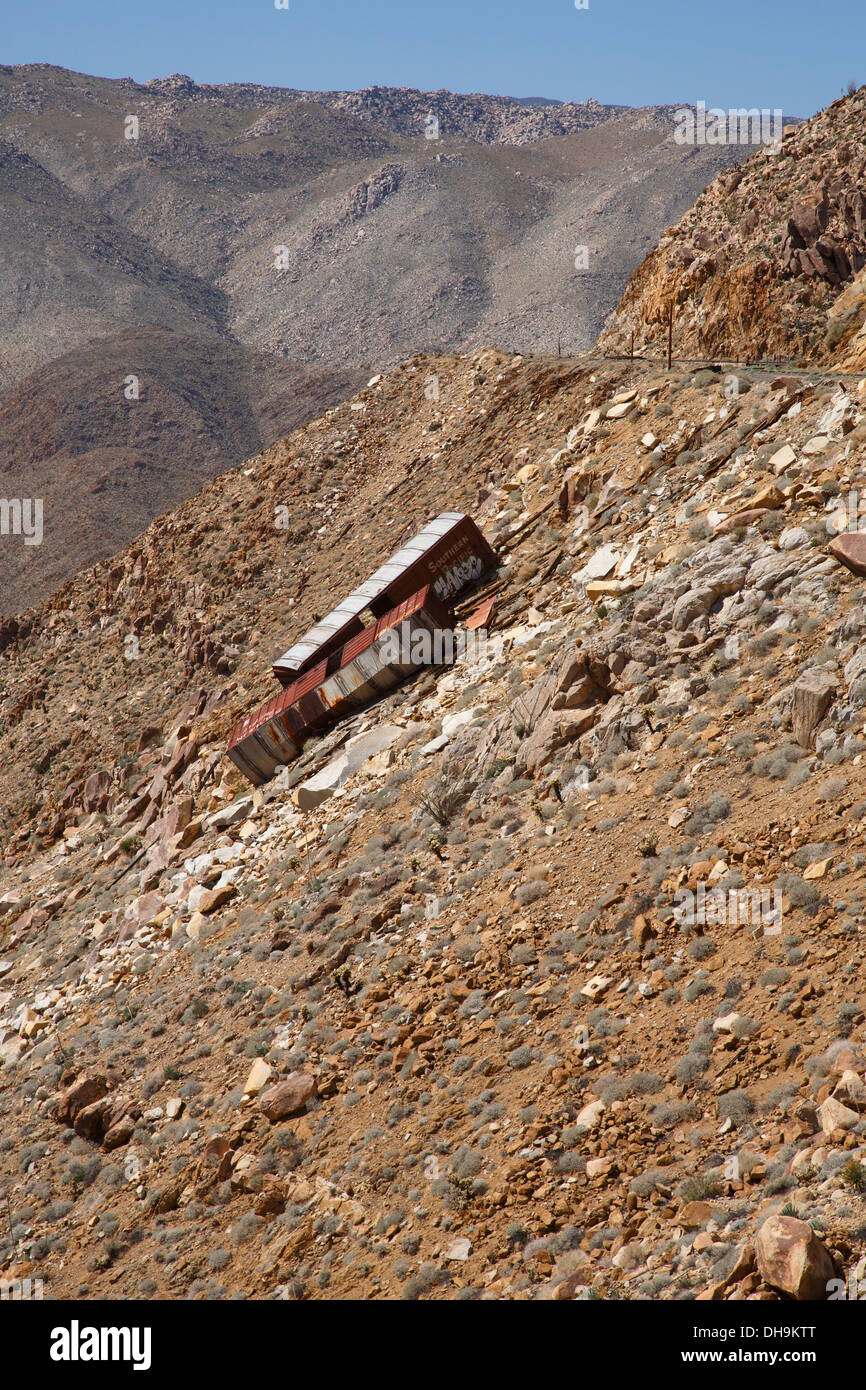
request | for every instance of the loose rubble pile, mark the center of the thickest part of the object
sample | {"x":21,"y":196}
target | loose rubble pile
{"x":430,"y":1020}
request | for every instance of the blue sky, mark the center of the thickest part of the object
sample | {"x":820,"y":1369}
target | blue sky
{"x":792,"y":54}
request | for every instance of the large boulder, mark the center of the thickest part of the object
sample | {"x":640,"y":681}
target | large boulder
{"x":287,"y":1097}
{"x":792,"y":1259}
{"x":335,"y":774}
{"x":96,"y":791}
{"x":84,"y":1091}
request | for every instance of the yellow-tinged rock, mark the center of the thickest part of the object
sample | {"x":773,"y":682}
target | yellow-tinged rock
{"x":526,"y":474}
{"x":769,"y":499}
{"x":594,"y":988}
{"x":260,"y":1074}
{"x":783,"y":459}
{"x":818,"y":869}
{"x":603,"y":588}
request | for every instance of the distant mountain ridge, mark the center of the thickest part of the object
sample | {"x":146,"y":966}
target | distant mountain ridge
{"x":339,"y":232}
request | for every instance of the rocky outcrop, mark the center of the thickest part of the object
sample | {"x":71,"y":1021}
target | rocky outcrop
{"x":561,"y":706}
{"x":755,"y":268}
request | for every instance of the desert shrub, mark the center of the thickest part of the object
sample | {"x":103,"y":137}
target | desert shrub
{"x":736,"y":1106}
{"x":443,"y":796}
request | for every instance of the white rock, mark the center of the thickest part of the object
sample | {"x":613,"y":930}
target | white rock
{"x":839,"y":407}
{"x":793,"y":537}
{"x":599,"y":565}
{"x":782,"y":459}
{"x":624,"y":566}
{"x":816,"y":445}
{"x":435,"y":745}
{"x":460,"y":1249}
{"x":452,"y":722}
{"x":590,"y":1114}
{"x":230,"y":815}
{"x":335,"y":774}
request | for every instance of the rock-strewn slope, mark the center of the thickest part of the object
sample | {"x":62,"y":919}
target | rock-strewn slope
{"x":456,"y":1033}
{"x":755,"y":267}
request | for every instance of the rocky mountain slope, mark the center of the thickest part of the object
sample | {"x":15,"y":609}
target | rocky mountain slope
{"x":322,"y":228}
{"x":453,"y":1033}
{"x":120,"y":430}
{"x":390,"y":239}
{"x":756,"y":269}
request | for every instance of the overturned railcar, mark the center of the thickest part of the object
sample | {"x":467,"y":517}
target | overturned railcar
{"x":448,"y":556}
{"x":368,"y":665}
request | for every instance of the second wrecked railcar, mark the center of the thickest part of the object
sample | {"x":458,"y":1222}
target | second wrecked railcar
{"x":353,"y":676}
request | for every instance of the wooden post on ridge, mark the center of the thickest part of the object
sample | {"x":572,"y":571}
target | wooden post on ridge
{"x":670,"y":333}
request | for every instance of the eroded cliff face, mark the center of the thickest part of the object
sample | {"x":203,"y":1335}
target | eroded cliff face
{"x":755,"y":269}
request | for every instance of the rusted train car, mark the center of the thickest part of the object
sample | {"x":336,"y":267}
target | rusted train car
{"x":448,"y":555}
{"x":340,"y":664}
{"x":346,"y":680}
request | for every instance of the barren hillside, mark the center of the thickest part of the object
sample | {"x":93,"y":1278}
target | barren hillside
{"x":377,"y":1052}
{"x":122,"y":429}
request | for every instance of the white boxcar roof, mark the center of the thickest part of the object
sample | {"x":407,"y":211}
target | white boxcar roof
{"x":357,"y":601}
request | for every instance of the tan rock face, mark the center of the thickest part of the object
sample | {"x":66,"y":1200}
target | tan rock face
{"x":813,"y":694}
{"x":287,"y":1097}
{"x":850,"y":550}
{"x":792,"y":1258}
{"x":774,"y":235}
{"x":260,"y":1074}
